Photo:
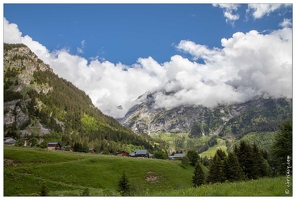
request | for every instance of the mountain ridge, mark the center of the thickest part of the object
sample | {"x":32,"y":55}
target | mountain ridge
{"x":144,"y":118}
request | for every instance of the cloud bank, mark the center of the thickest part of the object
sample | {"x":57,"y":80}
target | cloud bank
{"x":248,"y":64}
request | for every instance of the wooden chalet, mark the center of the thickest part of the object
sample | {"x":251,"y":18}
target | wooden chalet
{"x":91,"y":150}
{"x":53,"y":146}
{"x":122,"y":153}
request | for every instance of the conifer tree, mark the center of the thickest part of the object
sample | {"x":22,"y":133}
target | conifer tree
{"x":221,"y":154}
{"x":260,"y":167}
{"x":245,"y":158}
{"x":124,"y":185}
{"x":199,"y":176}
{"x":233,"y":171}
{"x":282,"y":147}
{"x":216,"y":173}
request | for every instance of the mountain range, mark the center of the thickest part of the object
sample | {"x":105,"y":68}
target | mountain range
{"x":260,"y":114}
{"x":38,"y":103}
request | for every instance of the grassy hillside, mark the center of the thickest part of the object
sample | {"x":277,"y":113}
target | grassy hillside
{"x":212,"y":150}
{"x":69,"y":174}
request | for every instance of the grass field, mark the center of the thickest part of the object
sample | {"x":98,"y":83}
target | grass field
{"x":69,"y":174}
{"x":212,"y":150}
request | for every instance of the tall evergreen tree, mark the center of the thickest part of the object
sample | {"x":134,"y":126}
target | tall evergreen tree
{"x":124,"y":185}
{"x":260,"y":166}
{"x":233,"y":171}
{"x":216,"y":173}
{"x":199,"y":176}
{"x":282,"y":147}
{"x":221,"y":154}
{"x":245,"y":158}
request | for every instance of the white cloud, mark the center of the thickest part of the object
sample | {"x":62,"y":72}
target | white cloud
{"x":286,"y":23}
{"x":259,"y":10}
{"x":248,"y":64}
{"x":11,"y":32}
{"x":228,"y":10}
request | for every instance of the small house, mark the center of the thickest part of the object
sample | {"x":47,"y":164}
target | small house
{"x":140,"y":153}
{"x":9,"y":141}
{"x":53,"y":146}
{"x":91,"y":150}
{"x":122,"y":153}
{"x":179,"y":156}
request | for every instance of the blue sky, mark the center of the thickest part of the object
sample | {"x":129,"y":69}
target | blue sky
{"x":199,"y":54}
{"x":125,"y":32}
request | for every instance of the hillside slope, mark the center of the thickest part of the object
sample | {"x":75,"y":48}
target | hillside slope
{"x":37,"y":103}
{"x":25,"y":169}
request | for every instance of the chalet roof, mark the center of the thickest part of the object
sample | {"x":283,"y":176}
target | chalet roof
{"x":51,"y":144}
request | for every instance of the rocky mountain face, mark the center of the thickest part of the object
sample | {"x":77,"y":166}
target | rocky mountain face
{"x":20,"y":64}
{"x":260,"y":114}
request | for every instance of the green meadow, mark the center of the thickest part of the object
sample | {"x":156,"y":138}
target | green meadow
{"x":70,"y":174}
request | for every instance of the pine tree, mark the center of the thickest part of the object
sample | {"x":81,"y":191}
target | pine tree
{"x":260,"y":166}
{"x":221,"y":154}
{"x":245,"y":158}
{"x":198,"y":177}
{"x":124,"y":185}
{"x":282,"y":147}
{"x":216,"y":173}
{"x":233,"y":171}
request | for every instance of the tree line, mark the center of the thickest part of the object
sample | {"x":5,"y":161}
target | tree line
{"x":247,"y":162}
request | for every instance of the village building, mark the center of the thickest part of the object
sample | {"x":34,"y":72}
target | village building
{"x":53,"y":146}
{"x":9,"y":141}
{"x":91,"y":150}
{"x":179,"y":156}
{"x":122,"y":153}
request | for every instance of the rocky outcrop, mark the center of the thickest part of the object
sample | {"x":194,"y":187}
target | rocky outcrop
{"x":16,"y":114}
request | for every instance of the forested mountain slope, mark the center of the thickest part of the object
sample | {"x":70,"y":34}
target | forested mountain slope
{"x":37,"y":103}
